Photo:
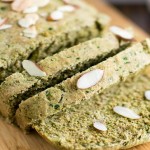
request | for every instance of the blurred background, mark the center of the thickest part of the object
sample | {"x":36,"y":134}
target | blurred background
{"x":137,"y":10}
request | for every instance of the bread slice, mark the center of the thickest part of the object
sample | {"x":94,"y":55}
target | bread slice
{"x":73,"y":128}
{"x":20,"y":86}
{"x":53,"y":36}
{"x":66,"y":94}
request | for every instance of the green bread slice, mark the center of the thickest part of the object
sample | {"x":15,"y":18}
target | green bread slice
{"x":53,"y":36}
{"x":21,"y":86}
{"x":66,"y":94}
{"x":72,"y":129}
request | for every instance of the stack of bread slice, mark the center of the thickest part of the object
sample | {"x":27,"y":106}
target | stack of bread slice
{"x":76,"y":80}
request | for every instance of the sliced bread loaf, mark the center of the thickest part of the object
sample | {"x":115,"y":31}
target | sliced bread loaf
{"x":20,"y":86}
{"x":66,"y":94}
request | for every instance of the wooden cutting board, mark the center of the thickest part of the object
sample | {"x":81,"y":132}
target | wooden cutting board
{"x":12,"y":138}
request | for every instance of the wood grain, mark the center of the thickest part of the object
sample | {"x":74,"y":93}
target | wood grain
{"x":12,"y":138}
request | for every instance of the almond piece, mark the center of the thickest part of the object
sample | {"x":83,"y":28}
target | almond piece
{"x":5,"y":26}
{"x":33,"y":17}
{"x":31,"y":10}
{"x":66,"y":8}
{"x":99,"y":126}
{"x":122,"y":33}
{"x":56,"y":15}
{"x":30,"y":32}
{"x":147,"y":94}
{"x":3,"y":21}
{"x":33,"y":69}
{"x":126,"y":112}
{"x":20,"y":5}
{"x":25,"y":23}
{"x":29,"y":20}
{"x":90,"y":79}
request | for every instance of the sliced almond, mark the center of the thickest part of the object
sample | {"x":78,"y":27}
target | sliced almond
{"x":122,"y":33}
{"x":30,"y":32}
{"x":25,"y":23}
{"x":42,"y":3}
{"x":32,"y":68}
{"x":90,"y":79}
{"x":5,"y":26}
{"x":56,"y":15}
{"x":147,"y":94}
{"x":99,"y":126}
{"x":31,"y":10}
{"x":3,"y":21}
{"x":21,"y":5}
{"x":28,"y":21}
{"x":66,"y":8}
{"x":126,"y":112}
{"x":33,"y":17}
